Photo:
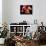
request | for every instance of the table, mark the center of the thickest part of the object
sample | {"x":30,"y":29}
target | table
{"x":23,"y":42}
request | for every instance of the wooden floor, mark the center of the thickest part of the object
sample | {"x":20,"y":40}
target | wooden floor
{"x":1,"y":45}
{"x":33,"y":45}
{"x":42,"y":45}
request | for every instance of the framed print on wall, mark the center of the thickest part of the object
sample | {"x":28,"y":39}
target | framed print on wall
{"x":25,"y":9}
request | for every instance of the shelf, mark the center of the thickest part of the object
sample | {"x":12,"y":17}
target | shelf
{"x":19,"y":32}
{"x":16,"y":32}
{"x":23,"y":25}
{"x":12,"y":32}
{"x":20,"y":29}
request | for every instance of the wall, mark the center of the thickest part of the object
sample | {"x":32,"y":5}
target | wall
{"x":4,"y":11}
{"x":0,"y":13}
{"x":12,"y":14}
{"x":16,"y":14}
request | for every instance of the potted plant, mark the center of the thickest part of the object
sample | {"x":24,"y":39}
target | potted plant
{"x":3,"y":34}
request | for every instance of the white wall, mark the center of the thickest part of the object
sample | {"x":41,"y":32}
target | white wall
{"x":4,"y":11}
{"x":12,"y":13}
{"x":0,"y":13}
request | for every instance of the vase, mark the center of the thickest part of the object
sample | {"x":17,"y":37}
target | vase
{"x":2,"y":40}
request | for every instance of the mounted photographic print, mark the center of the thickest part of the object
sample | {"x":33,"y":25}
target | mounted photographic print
{"x":25,"y":9}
